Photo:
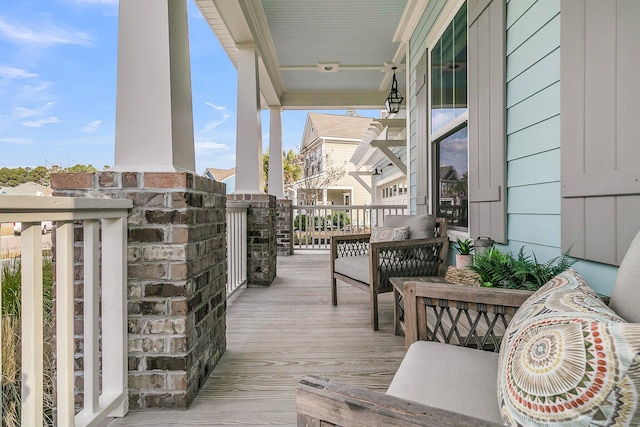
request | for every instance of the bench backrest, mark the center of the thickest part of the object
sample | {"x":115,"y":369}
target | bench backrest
{"x":625,"y":297}
{"x":420,"y":226}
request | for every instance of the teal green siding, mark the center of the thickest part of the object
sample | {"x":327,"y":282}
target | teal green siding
{"x":533,"y":129}
{"x":533,"y":135}
{"x":417,"y":46}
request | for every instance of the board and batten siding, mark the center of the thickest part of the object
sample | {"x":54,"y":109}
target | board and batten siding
{"x":600,"y":115}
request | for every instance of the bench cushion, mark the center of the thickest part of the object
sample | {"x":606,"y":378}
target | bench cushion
{"x":568,"y":360}
{"x":356,"y":267}
{"x":626,"y":291}
{"x":458,"y":379}
{"x":420,"y":226}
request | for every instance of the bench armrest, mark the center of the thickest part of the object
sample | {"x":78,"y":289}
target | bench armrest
{"x":321,"y":402}
{"x":459,"y":314}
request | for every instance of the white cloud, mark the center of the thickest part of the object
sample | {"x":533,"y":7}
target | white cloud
{"x":41,"y":122}
{"x":23,"y":112}
{"x":41,"y":86}
{"x":44,"y":35}
{"x":230,"y":156}
{"x":214,"y":124}
{"x":19,"y":141}
{"x":15,"y":73}
{"x":204,"y":145}
{"x":215,"y":106}
{"x":92,"y":127}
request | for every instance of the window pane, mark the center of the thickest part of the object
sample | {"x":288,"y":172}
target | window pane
{"x":453,"y":200}
{"x":449,"y":73}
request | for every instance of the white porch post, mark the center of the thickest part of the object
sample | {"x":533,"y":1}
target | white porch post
{"x":249,"y":178}
{"x":154,"y":114}
{"x":276,"y":171}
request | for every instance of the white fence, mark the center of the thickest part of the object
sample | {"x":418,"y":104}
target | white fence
{"x":107,"y":255}
{"x":236,"y":246}
{"x":314,"y":225}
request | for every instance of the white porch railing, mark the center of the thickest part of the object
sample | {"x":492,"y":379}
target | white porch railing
{"x":236,"y":246}
{"x":314,"y":225}
{"x":111,"y":398}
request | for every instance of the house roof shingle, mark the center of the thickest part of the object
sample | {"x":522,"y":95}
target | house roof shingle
{"x":221,"y":174}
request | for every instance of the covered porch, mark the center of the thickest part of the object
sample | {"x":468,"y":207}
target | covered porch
{"x":279,"y":334}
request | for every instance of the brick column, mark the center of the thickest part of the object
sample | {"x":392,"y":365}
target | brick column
{"x":177,"y":278}
{"x":284,"y":227}
{"x":262,"y":249}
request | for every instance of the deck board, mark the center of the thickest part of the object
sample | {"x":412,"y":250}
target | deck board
{"x":279,"y":334}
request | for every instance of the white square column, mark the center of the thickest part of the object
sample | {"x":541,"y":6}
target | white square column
{"x":249,"y":177}
{"x":154,"y":112}
{"x":276,"y":170}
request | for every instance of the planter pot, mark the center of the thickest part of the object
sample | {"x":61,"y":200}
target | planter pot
{"x":464,"y":261}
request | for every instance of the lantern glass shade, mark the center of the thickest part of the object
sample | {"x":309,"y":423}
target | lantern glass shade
{"x":395,"y":98}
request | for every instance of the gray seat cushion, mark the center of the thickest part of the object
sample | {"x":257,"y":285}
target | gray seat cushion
{"x":420,"y":226}
{"x":449,"y":377}
{"x":626,"y":291}
{"x":356,"y":267}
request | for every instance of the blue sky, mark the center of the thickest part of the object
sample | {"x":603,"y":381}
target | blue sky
{"x":58,"y":86}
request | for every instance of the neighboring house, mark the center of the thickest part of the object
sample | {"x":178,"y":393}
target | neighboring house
{"x":328,"y":142}
{"x":226,"y":176}
{"x":382,"y":156}
{"x":27,"y":189}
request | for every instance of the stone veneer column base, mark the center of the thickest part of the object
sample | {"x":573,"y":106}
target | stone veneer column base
{"x":262,"y":251}
{"x":284,"y":227}
{"x":177,"y":279}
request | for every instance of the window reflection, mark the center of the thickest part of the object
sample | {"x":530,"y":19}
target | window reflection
{"x":453,"y":189}
{"x":449,"y":73}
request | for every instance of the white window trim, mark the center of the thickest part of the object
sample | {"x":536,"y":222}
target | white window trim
{"x":449,"y":12}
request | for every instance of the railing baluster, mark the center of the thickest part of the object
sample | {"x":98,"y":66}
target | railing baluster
{"x":32,"y":327}
{"x":360,"y":220}
{"x":64,"y":322}
{"x":91,"y":319}
{"x":114,"y":315}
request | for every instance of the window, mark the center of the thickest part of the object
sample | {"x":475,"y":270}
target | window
{"x":449,"y":113}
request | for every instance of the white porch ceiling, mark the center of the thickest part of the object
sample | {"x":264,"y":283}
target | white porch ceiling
{"x":297,"y":39}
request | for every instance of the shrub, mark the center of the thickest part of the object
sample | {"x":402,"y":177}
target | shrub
{"x":302,"y":221}
{"x":503,"y":269}
{"x":340,"y":219}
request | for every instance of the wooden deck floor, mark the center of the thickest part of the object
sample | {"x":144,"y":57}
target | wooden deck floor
{"x":276,"y":336}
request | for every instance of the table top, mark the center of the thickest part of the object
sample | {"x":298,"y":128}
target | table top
{"x":398,"y":282}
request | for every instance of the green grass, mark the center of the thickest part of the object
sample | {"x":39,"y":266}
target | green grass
{"x":11,"y":356}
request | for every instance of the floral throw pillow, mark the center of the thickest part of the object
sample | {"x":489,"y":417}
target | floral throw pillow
{"x":388,"y":234}
{"x":568,"y":360}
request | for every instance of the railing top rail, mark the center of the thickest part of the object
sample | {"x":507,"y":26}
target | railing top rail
{"x":339,"y":207}
{"x":37,"y":208}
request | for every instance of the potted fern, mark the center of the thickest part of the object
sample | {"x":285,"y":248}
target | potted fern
{"x":464,"y":258}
